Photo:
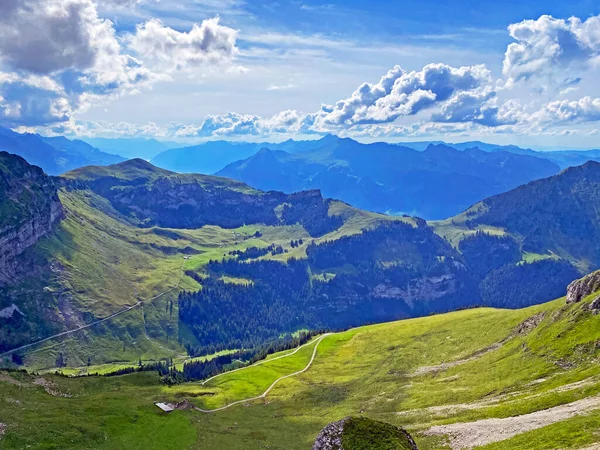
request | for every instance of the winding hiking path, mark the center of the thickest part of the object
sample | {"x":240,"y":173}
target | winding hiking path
{"x":89,"y":325}
{"x":467,"y":435}
{"x":264,"y":394}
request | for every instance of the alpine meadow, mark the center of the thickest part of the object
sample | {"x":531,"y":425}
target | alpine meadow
{"x":297,"y":225}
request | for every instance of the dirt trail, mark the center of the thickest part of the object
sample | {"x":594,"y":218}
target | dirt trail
{"x":472,"y":434}
{"x":494,"y":401}
{"x":11,"y":380}
{"x":264,"y":394}
{"x":444,"y":366}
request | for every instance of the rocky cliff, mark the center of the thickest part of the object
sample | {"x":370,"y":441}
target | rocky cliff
{"x":150,"y":196}
{"x":583,"y":287}
{"x":29,"y":207}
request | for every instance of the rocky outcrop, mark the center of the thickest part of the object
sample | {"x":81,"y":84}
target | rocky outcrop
{"x":29,"y":207}
{"x":350,"y":429}
{"x":330,"y":437}
{"x":594,"y":306}
{"x":583,"y":287}
{"x":529,"y":324}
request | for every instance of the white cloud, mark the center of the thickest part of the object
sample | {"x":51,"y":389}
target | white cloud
{"x":50,"y":35}
{"x":470,"y":106}
{"x":547,"y":42}
{"x":207,"y":43}
{"x":80,"y":59}
{"x":233,"y":124}
{"x":401,"y":93}
{"x":586,"y":109}
{"x":62,"y":57}
{"x":47,"y":102}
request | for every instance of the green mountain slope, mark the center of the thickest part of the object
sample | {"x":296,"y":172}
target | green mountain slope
{"x":134,"y":236}
{"x":104,"y":260}
{"x":481,"y":378}
{"x":150,"y":196}
{"x":552,"y":217}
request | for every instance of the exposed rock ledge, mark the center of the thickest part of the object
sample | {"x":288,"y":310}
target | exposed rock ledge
{"x":583,"y":287}
{"x":30,"y":205}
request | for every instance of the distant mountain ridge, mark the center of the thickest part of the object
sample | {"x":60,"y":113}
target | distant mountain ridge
{"x":131,"y":148}
{"x":210,"y":157}
{"x":435,"y":183}
{"x":55,"y":155}
{"x":564,"y":158}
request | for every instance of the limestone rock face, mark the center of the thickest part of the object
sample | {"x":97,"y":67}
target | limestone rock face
{"x":29,"y":207}
{"x":583,"y":287}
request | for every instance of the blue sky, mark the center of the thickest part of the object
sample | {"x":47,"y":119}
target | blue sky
{"x":505,"y":71}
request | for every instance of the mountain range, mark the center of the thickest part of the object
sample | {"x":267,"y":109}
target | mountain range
{"x":101,"y":239}
{"x":433,"y":180}
{"x":133,"y":270}
{"x":55,"y":155}
{"x":129,"y":148}
{"x":434,"y":184}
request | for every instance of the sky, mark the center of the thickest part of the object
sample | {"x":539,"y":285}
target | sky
{"x":507,"y":72}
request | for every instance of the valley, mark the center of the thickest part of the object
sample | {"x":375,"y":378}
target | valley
{"x":293,"y":225}
{"x":143,"y":285}
{"x":482,"y":364}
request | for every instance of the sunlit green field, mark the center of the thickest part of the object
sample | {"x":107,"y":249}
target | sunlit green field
{"x":390,"y":372}
{"x":107,"y":265}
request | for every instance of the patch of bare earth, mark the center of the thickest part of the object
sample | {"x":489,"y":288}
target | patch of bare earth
{"x":482,"y":432}
{"x":50,"y":387}
{"x":528,"y":325}
{"x":592,"y":447}
{"x":8,"y":379}
{"x":494,"y":401}
{"x":444,"y":366}
{"x":524,"y":328}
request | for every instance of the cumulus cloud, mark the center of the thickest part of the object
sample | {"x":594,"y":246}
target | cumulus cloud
{"x":61,"y":57}
{"x":47,"y":101}
{"x":233,"y":124}
{"x":68,"y":43}
{"x":401,"y":93}
{"x":208,"y":42}
{"x":50,"y":35}
{"x":470,"y":106}
{"x":586,"y":109}
{"x":547,"y":42}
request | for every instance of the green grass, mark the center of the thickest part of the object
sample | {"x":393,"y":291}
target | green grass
{"x":104,"y":264}
{"x":533,"y":257}
{"x":361,"y":433}
{"x":368,"y":371}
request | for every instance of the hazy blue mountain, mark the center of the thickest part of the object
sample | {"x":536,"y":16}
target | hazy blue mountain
{"x":564,"y":158}
{"x":435,"y":183}
{"x":212,"y":156}
{"x":205,"y":158}
{"x":132,"y":147}
{"x":54,"y":155}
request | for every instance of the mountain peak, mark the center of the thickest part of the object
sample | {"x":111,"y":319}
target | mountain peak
{"x":330,"y":138}
{"x":137,"y":162}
